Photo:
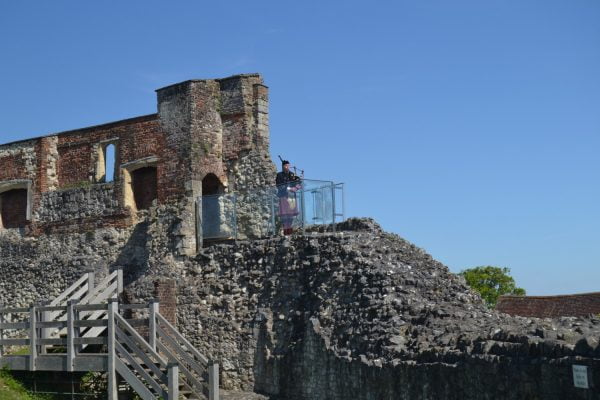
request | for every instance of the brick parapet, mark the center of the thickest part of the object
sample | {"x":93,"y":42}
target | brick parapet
{"x":550,"y":306}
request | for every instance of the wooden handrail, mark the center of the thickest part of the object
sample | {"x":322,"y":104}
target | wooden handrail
{"x":140,"y":370}
{"x":194,"y":380}
{"x":135,"y":348}
{"x":132,"y":332}
{"x":181,"y":353}
{"x":187,"y":354}
{"x":180,"y":337}
{"x":14,"y":310}
{"x":65,"y":294}
{"x":129,"y":354}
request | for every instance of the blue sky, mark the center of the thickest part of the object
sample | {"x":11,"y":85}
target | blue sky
{"x":471,"y":128}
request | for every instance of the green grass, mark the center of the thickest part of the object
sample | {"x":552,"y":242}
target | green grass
{"x":11,"y":389}
{"x":19,"y":351}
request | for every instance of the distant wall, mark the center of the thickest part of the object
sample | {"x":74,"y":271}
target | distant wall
{"x":550,"y":306}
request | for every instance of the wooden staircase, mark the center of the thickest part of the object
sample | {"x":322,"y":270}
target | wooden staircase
{"x":154,"y":359}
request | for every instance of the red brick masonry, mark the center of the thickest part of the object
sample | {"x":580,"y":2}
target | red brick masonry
{"x":550,"y":306}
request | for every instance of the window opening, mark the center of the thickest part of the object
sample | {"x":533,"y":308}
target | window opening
{"x":213,"y":207}
{"x":109,"y":163}
{"x":144,"y":185}
{"x":212,"y":185}
{"x":13,"y":208}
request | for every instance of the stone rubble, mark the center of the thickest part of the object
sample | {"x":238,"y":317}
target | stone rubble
{"x":352,"y":302}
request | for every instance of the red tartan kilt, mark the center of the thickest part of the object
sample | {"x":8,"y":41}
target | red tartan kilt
{"x":288,"y":206}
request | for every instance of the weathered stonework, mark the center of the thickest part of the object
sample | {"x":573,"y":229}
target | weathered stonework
{"x":212,"y":127}
{"x":93,"y":201}
{"x":358,"y":314}
{"x":355,"y":314}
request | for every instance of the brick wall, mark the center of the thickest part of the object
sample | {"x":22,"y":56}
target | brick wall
{"x":550,"y":306}
{"x":165,"y":290}
{"x":212,"y":126}
{"x":56,"y":165}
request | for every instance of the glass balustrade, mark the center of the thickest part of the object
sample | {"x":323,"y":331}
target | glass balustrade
{"x":269,"y":211}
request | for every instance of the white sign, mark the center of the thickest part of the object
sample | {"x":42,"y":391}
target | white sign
{"x":580,"y":376}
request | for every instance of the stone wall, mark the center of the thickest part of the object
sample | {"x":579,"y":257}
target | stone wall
{"x":91,"y":201}
{"x":356,"y":314}
{"x":18,"y":160}
{"x":211,"y":126}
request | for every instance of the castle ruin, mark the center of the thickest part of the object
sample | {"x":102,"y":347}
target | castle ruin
{"x":355,"y":313}
{"x":208,"y":136}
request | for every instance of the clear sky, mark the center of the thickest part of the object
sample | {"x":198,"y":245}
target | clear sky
{"x":471,"y":128}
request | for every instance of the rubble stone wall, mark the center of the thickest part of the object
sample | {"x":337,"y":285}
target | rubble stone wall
{"x":356,"y":314}
{"x":91,"y":201}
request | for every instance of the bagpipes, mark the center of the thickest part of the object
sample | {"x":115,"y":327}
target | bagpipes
{"x":295,"y":173}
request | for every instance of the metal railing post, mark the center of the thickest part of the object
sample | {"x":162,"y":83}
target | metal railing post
{"x":32,"y":337}
{"x":71,"y":335}
{"x":213,"y":381}
{"x":332,"y":206}
{"x":199,"y":229}
{"x":113,"y":309}
{"x":173,"y":377}
{"x":303,"y":211}
{"x":154,"y":305}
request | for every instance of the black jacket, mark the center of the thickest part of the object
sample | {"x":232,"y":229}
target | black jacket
{"x":282,"y":181}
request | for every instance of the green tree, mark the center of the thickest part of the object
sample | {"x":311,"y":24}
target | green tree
{"x":491,"y":282}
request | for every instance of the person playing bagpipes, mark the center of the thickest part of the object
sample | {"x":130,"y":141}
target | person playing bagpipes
{"x":288,"y":184}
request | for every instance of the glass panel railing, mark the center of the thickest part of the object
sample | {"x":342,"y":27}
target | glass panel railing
{"x":339,"y":202}
{"x":255,"y":213}
{"x":269,"y":211}
{"x":219,"y":220}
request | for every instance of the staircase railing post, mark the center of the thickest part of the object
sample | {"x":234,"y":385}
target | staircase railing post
{"x":119,"y":281}
{"x":113,"y":309}
{"x":71,"y":335}
{"x":1,"y":332}
{"x":213,"y":381}
{"x":154,"y":304}
{"x":173,"y":376}
{"x":32,"y":337}
{"x":44,"y":332}
{"x":91,"y":280}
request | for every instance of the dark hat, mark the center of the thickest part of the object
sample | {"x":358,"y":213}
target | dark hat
{"x":284,"y":162}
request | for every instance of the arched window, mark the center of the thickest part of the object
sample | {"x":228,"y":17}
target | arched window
{"x":106,"y":162}
{"x":212,"y":185}
{"x":109,"y":162}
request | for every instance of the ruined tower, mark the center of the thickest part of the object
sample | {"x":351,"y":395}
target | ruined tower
{"x":208,"y":136}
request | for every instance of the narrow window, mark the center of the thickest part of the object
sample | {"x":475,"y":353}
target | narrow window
{"x":109,"y":162}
